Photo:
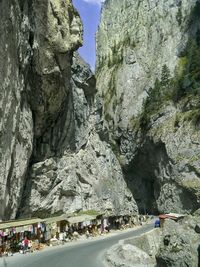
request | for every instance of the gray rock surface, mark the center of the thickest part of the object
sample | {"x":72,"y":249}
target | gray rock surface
{"x":136,"y":41}
{"x":37,"y":41}
{"x":51,"y":159}
{"x":16,"y":124}
{"x":57,"y":33}
{"x":90,"y":179}
{"x":86,"y":177}
{"x":180,"y":243}
{"x":138,"y":252}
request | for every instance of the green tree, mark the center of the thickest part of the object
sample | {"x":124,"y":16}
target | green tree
{"x":165,"y":76}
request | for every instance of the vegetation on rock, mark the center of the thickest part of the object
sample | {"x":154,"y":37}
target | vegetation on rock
{"x":157,"y":96}
{"x":182,"y":87}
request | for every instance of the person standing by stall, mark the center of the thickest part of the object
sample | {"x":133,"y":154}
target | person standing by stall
{"x":25,"y":244}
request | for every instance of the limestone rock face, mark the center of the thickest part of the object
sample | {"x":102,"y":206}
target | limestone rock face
{"x":135,"y":252}
{"x":180,"y":244}
{"x":134,"y":41}
{"x":84,"y":89}
{"x":56,"y":33}
{"x":90,"y":179}
{"x":37,"y":42}
{"x":145,"y":80}
{"x":16,"y":123}
{"x":87,"y":177}
{"x":51,"y":158}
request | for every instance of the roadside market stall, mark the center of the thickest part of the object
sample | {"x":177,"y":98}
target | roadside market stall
{"x":82,"y":224}
{"x":55,"y":229}
{"x":13,"y":232}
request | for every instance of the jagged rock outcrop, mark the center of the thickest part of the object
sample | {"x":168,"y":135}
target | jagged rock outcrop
{"x":88,"y":178}
{"x":52,"y":159}
{"x":37,"y":42}
{"x":138,"y":251}
{"x":180,"y":243}
{"x":56,"y":34}
{"x":148,"y":78}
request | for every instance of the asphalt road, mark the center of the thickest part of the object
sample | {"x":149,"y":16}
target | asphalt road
{"x":79,"y":254}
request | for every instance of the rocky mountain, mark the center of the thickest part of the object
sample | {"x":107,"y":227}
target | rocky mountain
{"x":52,"y":159}
{"x":148,"y":67}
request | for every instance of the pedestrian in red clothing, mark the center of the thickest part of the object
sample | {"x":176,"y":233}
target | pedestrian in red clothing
{"x":25,"y":243}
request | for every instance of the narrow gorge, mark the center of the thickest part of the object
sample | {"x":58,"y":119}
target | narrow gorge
{"x":138,"y":124}
{"x":124,"y":140}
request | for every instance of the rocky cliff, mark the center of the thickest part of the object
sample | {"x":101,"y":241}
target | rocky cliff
{"x":68,"y":145}
{"x":148,"y":77}
{"x":16,"y":124}
{"x":51,"y":158}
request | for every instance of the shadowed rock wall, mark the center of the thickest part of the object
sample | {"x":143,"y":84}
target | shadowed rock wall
{"x":52,"y":159}
{"x":148,"y":79}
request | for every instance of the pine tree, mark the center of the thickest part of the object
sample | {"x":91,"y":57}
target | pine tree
{"x":165,"y":76}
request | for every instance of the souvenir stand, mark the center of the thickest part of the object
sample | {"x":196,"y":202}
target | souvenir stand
{"x":55,"y":226}
{"x":13,"y":232}
{"x":81,"y":224}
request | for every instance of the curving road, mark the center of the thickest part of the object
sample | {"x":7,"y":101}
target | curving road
{"x":79,"y":254}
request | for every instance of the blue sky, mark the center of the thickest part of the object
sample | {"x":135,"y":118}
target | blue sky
{"x":89,"y":11}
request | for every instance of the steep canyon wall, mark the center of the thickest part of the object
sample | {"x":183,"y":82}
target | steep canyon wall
{"x":52,"y":159}
{"x":148,"y":79}
{"x":125,"y":139}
